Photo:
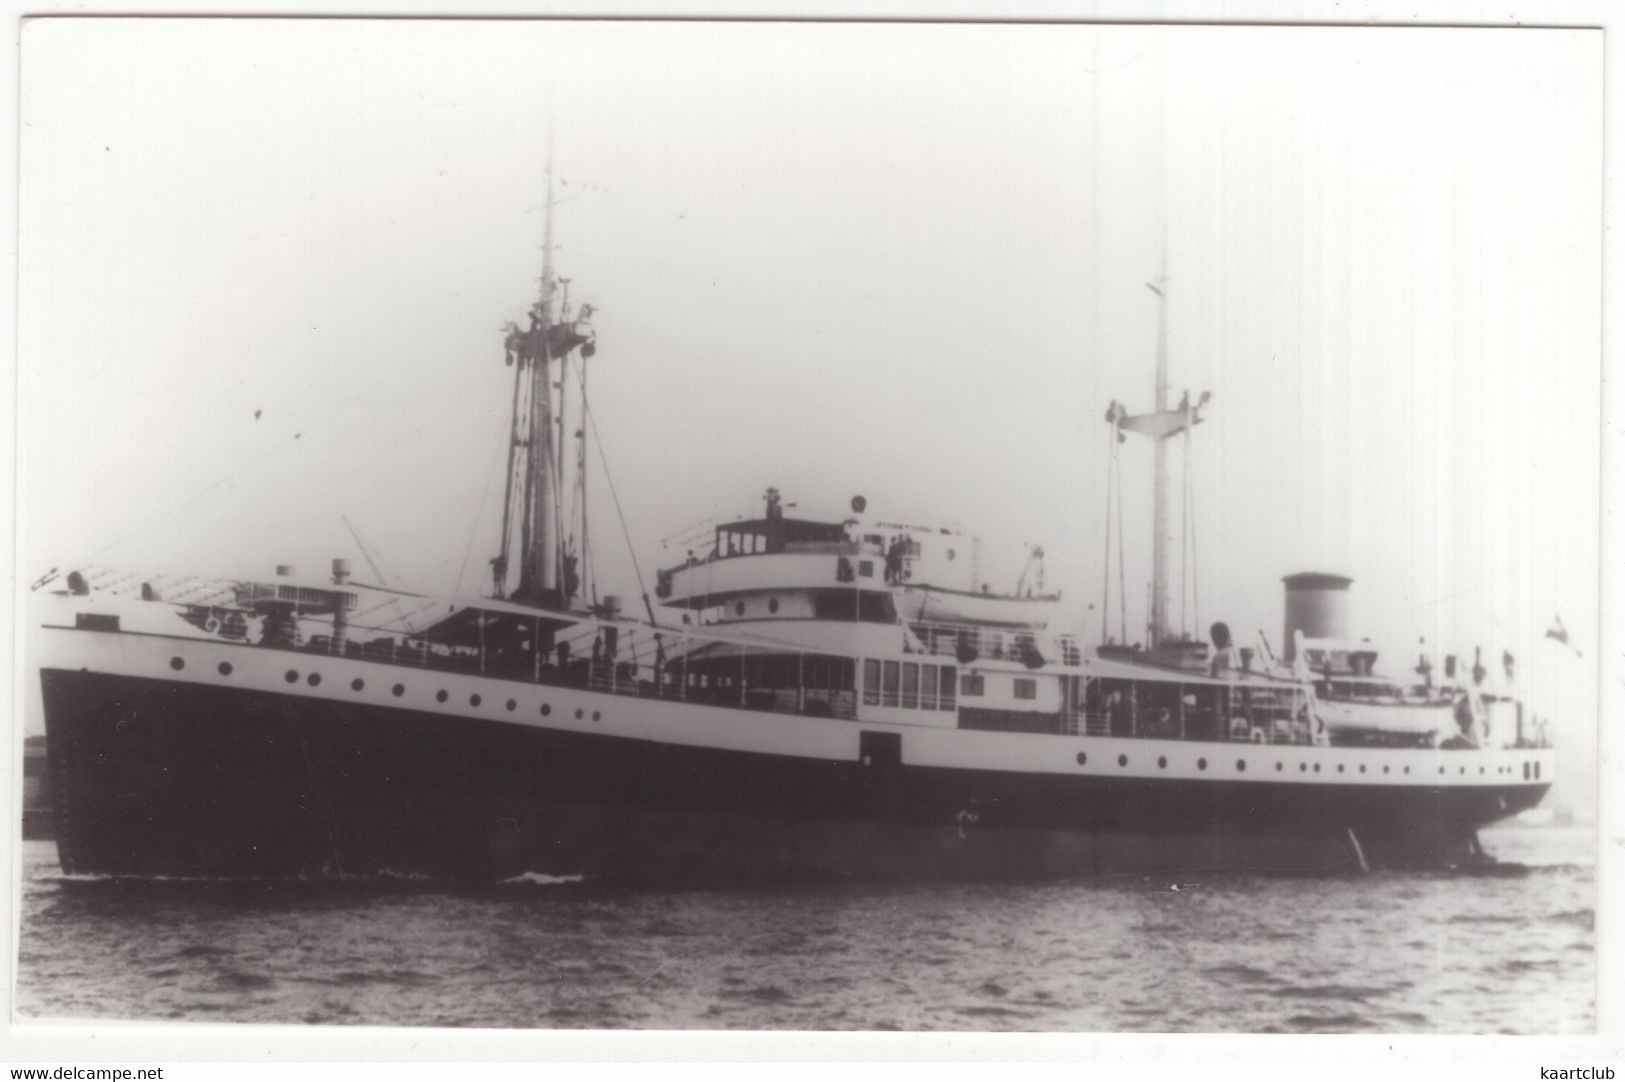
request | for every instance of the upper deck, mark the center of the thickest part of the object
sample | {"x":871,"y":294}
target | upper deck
{"x":784,"y":568}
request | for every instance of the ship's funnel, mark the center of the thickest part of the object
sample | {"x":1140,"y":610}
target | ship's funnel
{"x":1317,"y":604}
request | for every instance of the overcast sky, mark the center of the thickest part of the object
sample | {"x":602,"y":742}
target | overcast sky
{"x":906,"y":261}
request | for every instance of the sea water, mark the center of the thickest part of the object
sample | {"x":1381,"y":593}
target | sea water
{"x":1385,"y":952}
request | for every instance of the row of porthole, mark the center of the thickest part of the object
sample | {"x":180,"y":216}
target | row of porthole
{"x":315,"y":679}
{"x":358,"y":684}
{"x":1241,"y":765}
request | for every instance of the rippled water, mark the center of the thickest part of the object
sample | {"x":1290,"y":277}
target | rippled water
{"x":1385,"y":952}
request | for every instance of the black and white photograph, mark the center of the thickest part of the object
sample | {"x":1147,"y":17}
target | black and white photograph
{"x":832,"y":526}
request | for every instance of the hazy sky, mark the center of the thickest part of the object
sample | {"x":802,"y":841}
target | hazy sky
{"x":906,"y":261}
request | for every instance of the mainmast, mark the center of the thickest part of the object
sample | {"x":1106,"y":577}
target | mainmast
{"x":539,"y":564}
{"x":1161,"y":529}
{"x":1160,"y":426}
{"x":534,"y":447}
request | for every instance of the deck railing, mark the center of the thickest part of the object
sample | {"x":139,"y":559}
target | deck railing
{"x":962,"y":641}
{"x":677,"y":664}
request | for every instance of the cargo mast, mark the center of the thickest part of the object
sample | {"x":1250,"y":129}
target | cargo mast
{"x":533,"y":486}
{"x":1160,"y":426}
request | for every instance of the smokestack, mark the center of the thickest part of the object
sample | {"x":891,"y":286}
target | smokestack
{"x":1317,"y":604}
{"x":341,"y":571}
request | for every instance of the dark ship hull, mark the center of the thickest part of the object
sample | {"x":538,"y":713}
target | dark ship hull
{"x":155,"y":776}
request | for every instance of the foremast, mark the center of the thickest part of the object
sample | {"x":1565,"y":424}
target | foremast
{"x":533,"y":493}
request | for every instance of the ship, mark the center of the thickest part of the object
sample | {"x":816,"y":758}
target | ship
{"x":802,"y":696}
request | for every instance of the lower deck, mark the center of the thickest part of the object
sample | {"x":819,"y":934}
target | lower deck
{"x":171,"y":756}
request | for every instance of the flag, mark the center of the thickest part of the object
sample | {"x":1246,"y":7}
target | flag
{"x":1560,"y":633}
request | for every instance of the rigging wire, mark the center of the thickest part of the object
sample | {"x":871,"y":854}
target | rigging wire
{"x":1185,"y":529}
{"x":592,"y":423}
{"x":1122,"y":573}
{"x":1196,"y":596}
{"x":190,"y":500}
{"x":484,"y":495}
{"x":1106,"y":567}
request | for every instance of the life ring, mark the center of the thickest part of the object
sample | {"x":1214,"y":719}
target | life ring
{"x":212,"y":625}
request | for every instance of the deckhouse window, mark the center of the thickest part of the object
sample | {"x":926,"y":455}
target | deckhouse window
{"x":1026,"y":688}
{"x":928,"y":687}
{"x":889,"y":689}
{"x":945,"y":684}
{"x":911,"y":684}
{"x":871,"y":682}
{"x":972,"y":685}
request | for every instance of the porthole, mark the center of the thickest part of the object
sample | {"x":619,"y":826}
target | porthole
{"x":1362,"y":768}
{"x":1317,"y":768}
{"x":1303,"y":768}
{"x":1083,"y":758}
{"x":1122,"y":760}
{"x":1441,"y":770}
{"x":1481,"y":770}
{"x":1162,"y":762}
{"x":1278,"y":768}
{"x":1241,"y":765}
{"x":1340,"y":768}
{"x":357,"y":684}
{"x":547,"y":708}
{"x":225,"y":668}
{"x":1201,"y":764}
{"x":177,"y":663}
{"x":473,"y":700}
{"x":739,"y":608}
{"x":596,"y":715}
{"x":291,"y":676}
{"x":511,"y":704}
{"x":398,"y":690}
{"x":1407,"y":770}
{"x":314,"y":679}
{"x":773,"y":605}
{"x":1385,"y":770}
{"x":441,"y":696}
{"x":579,"y":713}
{"x":950,"y":554}
{"x":1463,"y":771}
